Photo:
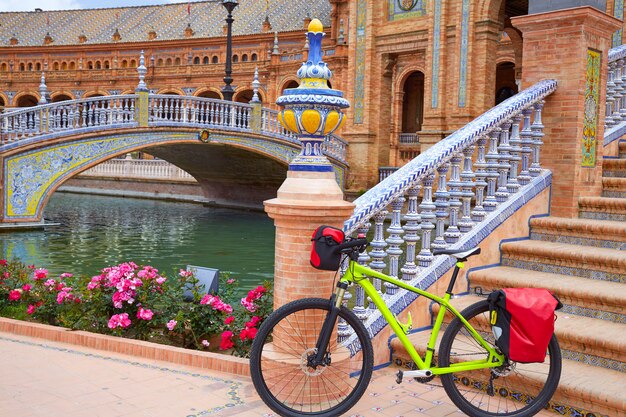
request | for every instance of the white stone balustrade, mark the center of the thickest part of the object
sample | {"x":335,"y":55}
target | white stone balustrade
{"x":442,"y":200}
{"x":615,"y":120}
{"x":155,"y":169}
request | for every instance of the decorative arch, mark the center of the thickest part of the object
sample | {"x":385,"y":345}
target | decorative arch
{"x":215,"y":59}
{"x":243,"y":95}
{"x":171,"y":90}
{"x":95,"y":93}
{"x":61,"y":96}
{"x":26,"y":99}
{"x":411,"y":84}
{"x":208,"y":92}
{"x":289,"y":82}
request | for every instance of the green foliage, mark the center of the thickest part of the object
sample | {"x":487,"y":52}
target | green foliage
{"x":137,"y":302}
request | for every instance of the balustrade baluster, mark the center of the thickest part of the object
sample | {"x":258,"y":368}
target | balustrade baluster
{"x":394,"y":240}
{"x":411,"y":237}
{"x":453,"y":233}
{"x":221,"y":121}
{"x":63,"y":118}
{"x":442,"y":204}
{"x":427,"y":215}
{"x":618,"y":92}
{"x":537,"y":132}
{"x":490,"y":202}
{"x":378,"y":253}
{"x":479,"y":213}
{"x":527,"y":140}
{"x":131,"y":113}
{"x":504,"y":158}
{"x":359,"y":302}
{"x":85,"y":110}
{"x":611,"y":101}
{"x":467,"y":183}
{"x":621,"y":104}
{"x":513,"y":184}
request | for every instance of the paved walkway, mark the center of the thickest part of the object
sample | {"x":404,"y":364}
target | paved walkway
{"x":40,"y":378}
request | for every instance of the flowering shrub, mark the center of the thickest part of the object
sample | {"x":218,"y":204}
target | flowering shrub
{"x":138,"y":302}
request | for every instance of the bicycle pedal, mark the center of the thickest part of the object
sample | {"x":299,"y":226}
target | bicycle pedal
{"x":399,"y":377}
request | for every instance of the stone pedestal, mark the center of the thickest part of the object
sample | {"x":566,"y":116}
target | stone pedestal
{"x":570,"y":46}
{"x":305,"y":201}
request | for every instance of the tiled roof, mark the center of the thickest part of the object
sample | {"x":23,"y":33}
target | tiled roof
{"x":169,"y":21}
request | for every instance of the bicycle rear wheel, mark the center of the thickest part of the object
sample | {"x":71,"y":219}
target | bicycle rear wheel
{"x":519,"y":389}
{"x":279,"y":361}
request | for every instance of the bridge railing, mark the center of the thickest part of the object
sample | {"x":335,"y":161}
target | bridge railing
{"x":615,"y":120}
{"x":482,"y":173}
{"x":139,"y":168}
{"x":86,"y":114}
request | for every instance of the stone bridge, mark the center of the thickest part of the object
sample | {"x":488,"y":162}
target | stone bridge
{"x":236,"y":151}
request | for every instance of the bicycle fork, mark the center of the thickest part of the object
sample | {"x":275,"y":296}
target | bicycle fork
{"x":323,"y":340}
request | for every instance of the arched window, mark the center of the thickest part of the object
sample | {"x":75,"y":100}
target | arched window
{"x":505,"y":81}
{"x":168,"y":62}
{"x":196,"y":60}
{"x":177,"y":62}
{"x":160,"y":62}
{"x":3,"y":67}
{"x":235,"y":58}
{"x":55,"y":66}
{"x":22,"y":67}
{"x":215,"y":59}
{"x":107,"y":65}
{"x":133,"y":63}
{"x":64,"y":66}
{"x":244,"y":58}
{"x":254,"y":57}
{"x":89,"y":65}
{"x":30,"y":66}
{"x":72,"y":65}
{"x":98,"y":65}
{"x":38,"y":66}
{"x":124,"y":63}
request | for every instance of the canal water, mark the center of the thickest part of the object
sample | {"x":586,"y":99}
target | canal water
{"x":96,"y":232}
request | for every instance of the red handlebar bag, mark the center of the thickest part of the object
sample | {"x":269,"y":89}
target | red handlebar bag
{"x":522,"y":321}
{"x":325,"y":239}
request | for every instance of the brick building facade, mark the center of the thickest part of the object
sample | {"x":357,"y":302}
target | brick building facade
{"x":413,"y":70}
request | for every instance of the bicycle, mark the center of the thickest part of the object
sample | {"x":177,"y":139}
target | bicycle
{"x":306,"y":362}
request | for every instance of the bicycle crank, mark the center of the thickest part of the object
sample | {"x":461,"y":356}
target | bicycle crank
{"x":425,"y":373}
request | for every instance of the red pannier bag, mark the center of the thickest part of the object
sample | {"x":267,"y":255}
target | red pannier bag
{"x":325,"y":239}
{"x":522,"y":321}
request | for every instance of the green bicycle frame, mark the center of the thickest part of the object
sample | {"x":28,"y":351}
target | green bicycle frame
{"x":358,"y":274}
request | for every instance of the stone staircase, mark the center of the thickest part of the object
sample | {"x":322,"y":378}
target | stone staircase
{"x":583,"y":262}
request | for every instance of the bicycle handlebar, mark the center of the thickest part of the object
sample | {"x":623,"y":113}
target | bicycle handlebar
{"x":351,"y":244}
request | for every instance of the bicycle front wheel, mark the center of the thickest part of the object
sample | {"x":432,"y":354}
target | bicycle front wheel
{"x":281,"y":353}
{"x":513,"y":389}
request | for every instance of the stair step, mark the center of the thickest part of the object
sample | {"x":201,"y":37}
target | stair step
{"x":582,"y":389}
{"x":603,"y":300}
{"x":602,"y":208}
{"x":566,"y":259}
{"x":614,"y":168}
{"x":589,"y":232}
{"x":614,"y":187}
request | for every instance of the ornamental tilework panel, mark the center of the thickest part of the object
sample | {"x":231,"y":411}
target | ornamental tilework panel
{"x":436,"y":45}
{"x":404,"y":9}
{"x":618,"y":12}
{"x":590,"y":123}
{"x":463,"y":54}
{"x":359,"y":88}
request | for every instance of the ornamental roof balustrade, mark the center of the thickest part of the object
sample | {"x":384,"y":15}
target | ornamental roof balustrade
{"x":451,"y":196}
{"x":134,"y":23}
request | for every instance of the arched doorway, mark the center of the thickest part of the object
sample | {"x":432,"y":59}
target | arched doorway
{"x":244,"y":96}
{"x":61,"y":97}
{"x":289,"y":84}
{"x":413,"y":103}
{"x":210,"y":94}
{"x":505,"y":81}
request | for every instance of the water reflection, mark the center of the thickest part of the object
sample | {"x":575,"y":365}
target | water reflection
{"x":98,"y":231}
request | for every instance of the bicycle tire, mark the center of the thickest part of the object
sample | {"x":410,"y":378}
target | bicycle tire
{"x":278,"y":368}
{"x":521,"y":391}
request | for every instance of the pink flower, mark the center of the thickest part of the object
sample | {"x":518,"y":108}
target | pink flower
{"x":31,"y":309}
{"x":31,"y":266}
{"x":171,"y":324}
{"x":185,"y":274}
{"x":249,"y":305}
{"x":161,"y":280}
{"x":144,"y":314}
{"x":64,"y":294}
{"x":205,"y":343}
{"x":229,"y":319}
{"x":27,"y":287}
{"x":15,"y":295}
{"x":3,"y":262}
{"x":247,"y":333}
{"x":230,"y":281}
{"x":41,"y":273}
{"x":253,"y":321}
{"x":50,"y":284}
{"x":66,"y":275}
{"x":119,"y":320}
{"x":207,"y":299}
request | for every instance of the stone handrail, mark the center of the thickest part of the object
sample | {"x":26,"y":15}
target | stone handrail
{"x":615,"y":119}
{"x":479,"y":171}
{"x":41,"y":122}
{"x":67,"y":117}
{"x":139,"y":168}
